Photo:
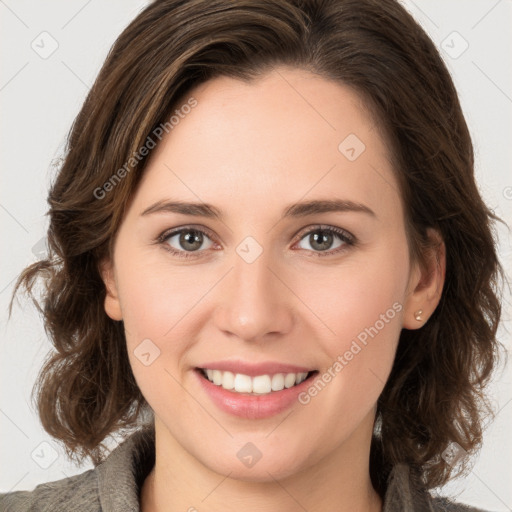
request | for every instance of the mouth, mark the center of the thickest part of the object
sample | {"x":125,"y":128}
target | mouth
{"x":265,"y":384}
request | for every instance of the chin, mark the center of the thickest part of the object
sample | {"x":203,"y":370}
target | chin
{"x":265,"y":469}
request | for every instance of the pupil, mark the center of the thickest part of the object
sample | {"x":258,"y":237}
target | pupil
{"x":323,"y":240}
{"x":191,"y":237}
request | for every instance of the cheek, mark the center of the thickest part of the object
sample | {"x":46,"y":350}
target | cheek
{"x":157,"y":298}
{"x":362,"y":320}
{"x":158,"y":312}
{"x":350,"y":299}
{"x":358,"y":361}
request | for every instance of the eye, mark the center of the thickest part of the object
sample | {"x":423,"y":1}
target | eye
{"x":186,"y":241}
{"x":321,"y":239}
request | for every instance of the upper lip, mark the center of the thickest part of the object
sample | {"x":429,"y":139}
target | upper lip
{"x":254,"y":369}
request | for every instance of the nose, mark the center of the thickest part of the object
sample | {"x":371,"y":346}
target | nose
{"x":254,"y":303}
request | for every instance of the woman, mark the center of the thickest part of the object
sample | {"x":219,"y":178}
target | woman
{"x":270,"y":260}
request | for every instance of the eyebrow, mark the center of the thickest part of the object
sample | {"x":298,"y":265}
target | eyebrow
{"x":301,"y":209}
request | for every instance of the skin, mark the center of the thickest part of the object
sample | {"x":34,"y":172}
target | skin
{"x":251,"y":150}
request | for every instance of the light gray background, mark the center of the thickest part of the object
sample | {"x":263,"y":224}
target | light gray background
{"x":39,"y":98}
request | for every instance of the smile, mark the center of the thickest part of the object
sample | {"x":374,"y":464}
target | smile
{"x":243,"y":400}
{"x":257,"y":385}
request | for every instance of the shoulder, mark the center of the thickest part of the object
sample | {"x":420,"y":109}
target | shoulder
{"x":73,"y":494}
{"x":446,"y":505}
{"x":405,"y":493}
{"x":112,"y":485}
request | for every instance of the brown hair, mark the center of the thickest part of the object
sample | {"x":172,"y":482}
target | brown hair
{"x":86,"y":389}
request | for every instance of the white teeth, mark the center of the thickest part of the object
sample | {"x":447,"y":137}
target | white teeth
{"x":243,"y":383}
{"x":278,"y":382}
{"x":261,"y":384}
{"x":228,"y":380}
{"x":289,"y":380}
{"x":217,"y":377}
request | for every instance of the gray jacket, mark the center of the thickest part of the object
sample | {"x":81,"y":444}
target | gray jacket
{"x":114,"y":486}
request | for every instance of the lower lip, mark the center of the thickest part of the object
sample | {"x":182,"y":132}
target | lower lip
{"x":249,"y":406}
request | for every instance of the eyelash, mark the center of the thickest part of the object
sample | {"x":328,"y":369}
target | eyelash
{"x":348,"y":239}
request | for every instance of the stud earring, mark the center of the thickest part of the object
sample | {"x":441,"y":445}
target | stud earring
{"x":417,"y":315}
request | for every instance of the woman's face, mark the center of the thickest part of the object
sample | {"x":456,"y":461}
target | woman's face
{"x":262,"y":282}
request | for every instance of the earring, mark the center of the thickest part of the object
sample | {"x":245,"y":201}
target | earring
{"x":417,"y":315}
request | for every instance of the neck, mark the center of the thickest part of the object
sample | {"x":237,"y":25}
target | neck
{"x":180,"y":482}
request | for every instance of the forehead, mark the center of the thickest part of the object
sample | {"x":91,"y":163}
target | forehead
{"x":284,"y":136}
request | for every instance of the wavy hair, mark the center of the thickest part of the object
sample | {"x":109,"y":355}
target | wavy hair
{"x":435,"y":393}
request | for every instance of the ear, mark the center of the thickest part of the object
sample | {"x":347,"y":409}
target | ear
{"x":425,"y":284}
{"x":112,"y":304}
